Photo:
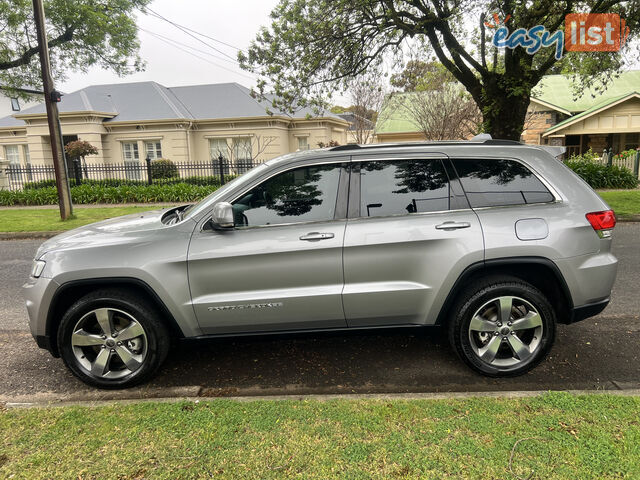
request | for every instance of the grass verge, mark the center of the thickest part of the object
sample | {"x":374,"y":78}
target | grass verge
{"x":626,"y":203}
{"x":47,"y":220}
{"x":554,"y":436}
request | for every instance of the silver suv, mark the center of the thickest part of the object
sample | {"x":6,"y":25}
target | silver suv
{"x":494,"y":240}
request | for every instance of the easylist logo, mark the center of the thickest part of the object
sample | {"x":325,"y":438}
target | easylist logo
{"x":594,"y":32}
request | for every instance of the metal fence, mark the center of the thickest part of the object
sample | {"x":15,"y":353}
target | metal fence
{"x":129,"y":173}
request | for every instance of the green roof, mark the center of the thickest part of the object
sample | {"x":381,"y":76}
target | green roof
{"x":591,"y":110}
{"x":394,"y":117}
{"x":558,"y":90}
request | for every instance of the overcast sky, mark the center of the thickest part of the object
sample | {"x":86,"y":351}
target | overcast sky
{"x":232,"y":21}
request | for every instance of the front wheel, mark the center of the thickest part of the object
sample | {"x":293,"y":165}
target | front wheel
{"x":110,"y":339}
{"x":502,"y":327}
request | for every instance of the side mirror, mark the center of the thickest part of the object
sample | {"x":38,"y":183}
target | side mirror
{"x":222,"y":218}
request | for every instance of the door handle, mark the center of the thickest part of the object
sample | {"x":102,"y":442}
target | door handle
{"x":452,"y":225}
{"x":315,"y":236}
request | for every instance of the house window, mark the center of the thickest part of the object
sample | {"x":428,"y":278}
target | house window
{"x":15,"y":104}
{"x":217,"y":147}
{"x":631,"y":141}
{"x":131,"y":160}
{"x":303,"y":143}
{"x":11,"y":153}
{"x":154,"y":150}
{"x":242,"y":149}
{"x":25,"y":153}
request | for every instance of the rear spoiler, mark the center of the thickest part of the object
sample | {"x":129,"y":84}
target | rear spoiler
{"x":554,"y":151}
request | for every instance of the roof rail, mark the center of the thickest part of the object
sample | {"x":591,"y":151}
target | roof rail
{"x":348,"y":146}
{"x":490,"y":141}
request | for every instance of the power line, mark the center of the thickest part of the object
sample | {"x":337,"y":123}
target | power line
{"x":188,"y":32}
{"x":196,"y":32}
{"x":186,"y":45}
{"x":202,"y":58}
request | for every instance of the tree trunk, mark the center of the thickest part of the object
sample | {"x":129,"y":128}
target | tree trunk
{"x":504,"y":116}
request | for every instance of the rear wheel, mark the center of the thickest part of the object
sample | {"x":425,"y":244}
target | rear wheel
{"x":502,"y":327}
{"x":110,"y":339}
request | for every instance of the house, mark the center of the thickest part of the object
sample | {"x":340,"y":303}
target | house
{"x":596,"y":120}
{"x":361,"y":129}
{"x":14,"y":101}
{"x":130,"y":122}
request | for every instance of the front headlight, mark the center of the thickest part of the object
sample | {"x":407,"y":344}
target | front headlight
{"x":37,"y":268}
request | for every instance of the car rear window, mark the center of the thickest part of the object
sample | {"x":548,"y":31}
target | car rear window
{"x":499,"y":182}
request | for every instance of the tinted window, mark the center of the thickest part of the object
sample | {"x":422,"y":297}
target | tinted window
{"x":301,"y":195}
{"x":490,"y":183}
{"x":402,"y":187}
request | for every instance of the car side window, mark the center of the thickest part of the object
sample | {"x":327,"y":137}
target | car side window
{"x":403,"y":187}
{"x":499,"y":182}
{"x":300,"y":195}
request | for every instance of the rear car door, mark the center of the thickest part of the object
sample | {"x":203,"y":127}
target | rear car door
{"x":281,"y":267}
{"x":409,"y":235}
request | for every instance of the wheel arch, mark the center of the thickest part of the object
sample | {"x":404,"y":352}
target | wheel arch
{"x":540,"y":272}
{"x":70,"y":292}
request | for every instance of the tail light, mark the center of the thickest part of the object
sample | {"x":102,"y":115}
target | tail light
{"x":602,"y":222}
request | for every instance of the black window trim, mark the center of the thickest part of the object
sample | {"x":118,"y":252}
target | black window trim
{"x":342,"y":196}
{"x":355,"y":184}
{"x":552,"y":191}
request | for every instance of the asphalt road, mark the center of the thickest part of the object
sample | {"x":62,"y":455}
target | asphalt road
{"x":599,"y":353}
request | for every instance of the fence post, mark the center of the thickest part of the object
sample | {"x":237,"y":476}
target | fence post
{"x":4,"y":177}
{"x":77,"y":171}
{"x":221,"y":165}
{"x":149,"y":177}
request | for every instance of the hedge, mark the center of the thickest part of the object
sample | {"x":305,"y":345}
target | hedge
{"x":85,"y":194}
{"x":600,"y":175}
{"x":210,"y":180}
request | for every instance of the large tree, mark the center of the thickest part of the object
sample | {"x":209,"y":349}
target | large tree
{"x":81,"y":33}
{"x":313,"y":46}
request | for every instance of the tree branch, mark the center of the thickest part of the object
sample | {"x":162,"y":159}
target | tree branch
{"x":25,"y":58}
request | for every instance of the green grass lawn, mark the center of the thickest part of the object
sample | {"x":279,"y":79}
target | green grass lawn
{"x":46,"y":220}
{"x":625,"y":203}
{"x":556,"y":436}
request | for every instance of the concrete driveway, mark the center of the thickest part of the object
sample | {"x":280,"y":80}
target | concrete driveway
{"x":599,"y":353}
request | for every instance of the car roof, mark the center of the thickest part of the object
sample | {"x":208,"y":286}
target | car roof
{"x":488,"y":147}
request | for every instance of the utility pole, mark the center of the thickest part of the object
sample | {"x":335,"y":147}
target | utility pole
{"x":51,"y":97}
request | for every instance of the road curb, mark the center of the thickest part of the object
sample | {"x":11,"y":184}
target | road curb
{"x":190,"y":394}
{"x":104,"y":396}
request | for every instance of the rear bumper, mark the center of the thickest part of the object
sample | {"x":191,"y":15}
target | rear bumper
{"x":587,"y":311}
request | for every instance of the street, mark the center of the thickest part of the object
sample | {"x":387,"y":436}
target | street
{"x":599,"y":353}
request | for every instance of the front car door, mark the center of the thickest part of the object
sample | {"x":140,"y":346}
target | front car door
{"x":409,"y":235}
{"x":281,"y":267}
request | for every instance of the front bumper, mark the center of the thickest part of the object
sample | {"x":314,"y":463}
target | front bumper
{"x":39,"y":293}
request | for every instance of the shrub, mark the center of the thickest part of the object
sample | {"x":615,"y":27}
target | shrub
{"x":163,"y":169}
{"x":599,"y":175}
{"x":86,"y":193}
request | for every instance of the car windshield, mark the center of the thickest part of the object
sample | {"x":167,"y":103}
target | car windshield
{"x":210,"y":199}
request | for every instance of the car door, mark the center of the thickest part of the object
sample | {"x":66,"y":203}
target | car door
{"x":409,"y":235}
{"x":280,"y":268}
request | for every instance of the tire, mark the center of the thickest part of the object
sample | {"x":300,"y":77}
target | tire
{"x":130,"y":354}
{"x":494,"y":345}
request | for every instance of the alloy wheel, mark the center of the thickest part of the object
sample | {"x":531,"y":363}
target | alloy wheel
{"x":109,"y":343}
{"x":506,"y":331}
